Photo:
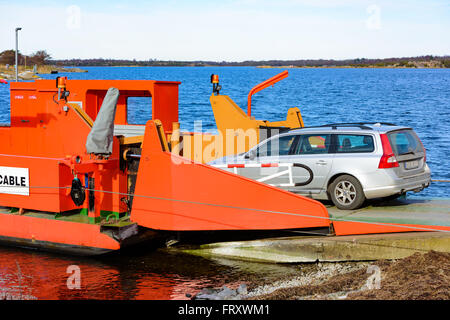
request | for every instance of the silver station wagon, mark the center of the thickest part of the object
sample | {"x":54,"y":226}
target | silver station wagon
{"x":346,"y":163}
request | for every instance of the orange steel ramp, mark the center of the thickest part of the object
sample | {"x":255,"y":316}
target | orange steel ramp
{"x":382,"y":230}
{"x":174,"y":193}
{"x":401,"y":215}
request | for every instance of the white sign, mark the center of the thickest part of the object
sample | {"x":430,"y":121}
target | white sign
{"x":14,"y":181}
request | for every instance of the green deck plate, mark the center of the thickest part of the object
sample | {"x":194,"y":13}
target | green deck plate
{"x":77,"y":217}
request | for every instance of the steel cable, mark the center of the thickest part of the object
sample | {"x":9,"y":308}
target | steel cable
{"x":241,"y":208}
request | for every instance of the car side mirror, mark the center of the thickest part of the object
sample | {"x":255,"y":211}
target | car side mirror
{"x":250,"y":155}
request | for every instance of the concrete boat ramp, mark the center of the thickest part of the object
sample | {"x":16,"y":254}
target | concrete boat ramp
{"x":417,"y":213}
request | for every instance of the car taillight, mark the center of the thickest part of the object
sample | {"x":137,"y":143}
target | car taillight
{"x":388,"y":159}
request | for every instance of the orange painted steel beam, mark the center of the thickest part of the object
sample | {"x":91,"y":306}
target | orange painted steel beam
{"x":262,"y":86}
{"x":174,"y":193}
{"x":344,"y":228}
{"x":55,"y":232}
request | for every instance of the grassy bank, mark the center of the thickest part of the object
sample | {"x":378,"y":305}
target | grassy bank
{"x":422,"y":276}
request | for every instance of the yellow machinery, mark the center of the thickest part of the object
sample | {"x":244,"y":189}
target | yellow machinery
{"x":237,"y":131}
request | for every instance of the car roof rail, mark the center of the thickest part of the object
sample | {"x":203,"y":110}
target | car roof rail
{"x":358,"y":125}
{"x":361,"y":125}
{"x":334,"y":126}
{"x":382,"y":123}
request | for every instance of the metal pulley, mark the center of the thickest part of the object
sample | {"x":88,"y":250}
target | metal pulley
{"x":77,"y":192}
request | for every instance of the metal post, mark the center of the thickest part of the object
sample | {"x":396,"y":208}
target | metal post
{"x":17,"y":45}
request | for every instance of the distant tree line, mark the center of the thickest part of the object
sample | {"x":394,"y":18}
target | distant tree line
{"x":40,"y":57}
{"x":359,"y":62}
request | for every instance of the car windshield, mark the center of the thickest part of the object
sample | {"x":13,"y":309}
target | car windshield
{"x":405,"y":142}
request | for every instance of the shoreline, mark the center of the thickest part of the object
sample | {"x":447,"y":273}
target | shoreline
{"x":27,"y":73}
{"x":432,"y":62}
{"x":377,"y":280}
{"x":263,"y":67}
{"x":364,"y":280}
{"x":273,"y":67}
{"x":7,"y":73}
{"x":347,"y":67}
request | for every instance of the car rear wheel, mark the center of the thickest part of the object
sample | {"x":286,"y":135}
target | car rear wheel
{"x":346,"y":193}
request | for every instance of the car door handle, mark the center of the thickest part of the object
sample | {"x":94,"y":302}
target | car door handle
{"x":321,"y":162}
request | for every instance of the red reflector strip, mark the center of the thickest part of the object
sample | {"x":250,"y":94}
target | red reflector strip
{"x":236,"y":166}
{"x":266,"y":165}
{"x":253,"y":165}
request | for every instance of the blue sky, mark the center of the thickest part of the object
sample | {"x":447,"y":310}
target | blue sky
{"x":230,"y":30}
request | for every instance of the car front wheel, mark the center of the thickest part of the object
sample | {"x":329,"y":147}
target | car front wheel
{"x":346,"y":193}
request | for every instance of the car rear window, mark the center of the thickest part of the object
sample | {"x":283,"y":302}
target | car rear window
{"x":354,"y":143}
{"x":404,"y":142}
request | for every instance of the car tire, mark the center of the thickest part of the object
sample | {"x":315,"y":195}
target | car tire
{"x":346,"y":193}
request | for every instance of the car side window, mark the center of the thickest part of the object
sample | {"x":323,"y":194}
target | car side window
{"x":278,"y":146}
{"x":354,"y":143}
{"x":313,"y":144}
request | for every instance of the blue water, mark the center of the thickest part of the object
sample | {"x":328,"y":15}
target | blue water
{"x":419,"y":98}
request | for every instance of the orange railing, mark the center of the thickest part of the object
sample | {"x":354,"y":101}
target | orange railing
{"x":262,"y":86}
